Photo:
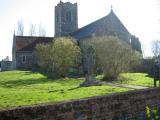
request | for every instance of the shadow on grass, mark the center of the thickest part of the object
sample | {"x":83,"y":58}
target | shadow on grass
{"x":27,"y":82}
{"x":24,"y":82}
{"x":74,"y":88}
{"x":63,"y":91}
{"x":29,"y":73}
{"x":150,"y":76}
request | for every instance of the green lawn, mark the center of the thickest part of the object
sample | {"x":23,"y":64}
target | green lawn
{"x":18,"y":88}
{"x":139,"y":79}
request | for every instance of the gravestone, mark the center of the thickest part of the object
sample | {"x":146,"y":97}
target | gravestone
{"x":156,"y":70}
{"x":90,"y":76}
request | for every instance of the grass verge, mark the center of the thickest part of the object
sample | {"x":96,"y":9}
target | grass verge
{"x":138,"y":79}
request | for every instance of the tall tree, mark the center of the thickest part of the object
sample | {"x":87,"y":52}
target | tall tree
{"x":32,"y":30}
{"x":156,"y":48}
{"x":42,"y":31}
{"x":20,"y":28}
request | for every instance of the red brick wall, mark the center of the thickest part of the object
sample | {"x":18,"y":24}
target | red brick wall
{"x":95,"y":108}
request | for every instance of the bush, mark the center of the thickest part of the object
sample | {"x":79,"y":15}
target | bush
{"x":153,"y":114}
{"x":58,"y":57}
{"x":113,"y":55}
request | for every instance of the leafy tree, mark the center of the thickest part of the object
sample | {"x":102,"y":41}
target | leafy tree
{"x":113,"y":55}
{"x":42,"y":54}
{"x":59,"y":56}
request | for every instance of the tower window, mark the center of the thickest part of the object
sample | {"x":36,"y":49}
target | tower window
{"x":68,"y":16}
{"x":23,"y":58}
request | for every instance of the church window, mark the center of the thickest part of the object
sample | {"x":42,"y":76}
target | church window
{"x":23,"y":58}
{"x":68,"y":16}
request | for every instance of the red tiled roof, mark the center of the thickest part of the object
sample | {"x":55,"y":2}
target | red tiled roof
{"x":28,"y":43}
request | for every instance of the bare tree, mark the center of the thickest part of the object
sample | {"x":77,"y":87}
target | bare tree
{"x":42,"y":31}
{"x":156,"y":48}
{"x":20,"y":29}
{"x":32,"y":30}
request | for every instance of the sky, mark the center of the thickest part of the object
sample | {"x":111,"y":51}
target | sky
{"x":140,"y":17}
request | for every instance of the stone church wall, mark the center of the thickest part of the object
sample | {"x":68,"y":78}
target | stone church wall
{"x":124,"y":106}
{"x":24,"y":59}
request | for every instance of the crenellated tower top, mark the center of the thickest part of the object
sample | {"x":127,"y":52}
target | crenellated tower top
{"x":66,"y":18}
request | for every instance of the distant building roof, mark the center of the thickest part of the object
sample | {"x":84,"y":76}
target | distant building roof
{"x":108,"y":25}
{"x":28,"y":43}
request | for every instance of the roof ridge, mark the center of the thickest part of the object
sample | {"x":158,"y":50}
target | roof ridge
{"x":110,"y":13}
{"x":33,"y":36}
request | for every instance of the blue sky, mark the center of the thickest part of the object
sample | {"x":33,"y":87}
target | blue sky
{"x":139,"y":16}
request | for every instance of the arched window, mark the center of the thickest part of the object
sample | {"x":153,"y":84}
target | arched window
{"x":68,"y":16}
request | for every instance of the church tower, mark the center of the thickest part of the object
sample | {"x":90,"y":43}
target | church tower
{"x":66,"y":20}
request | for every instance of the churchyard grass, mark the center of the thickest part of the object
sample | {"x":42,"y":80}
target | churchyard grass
{"x":19,"y":88}
{"x":138,"y":79}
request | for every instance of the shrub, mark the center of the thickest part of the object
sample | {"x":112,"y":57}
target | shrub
{"x":153,"y":114}
{"x":58,"y":57}
{"x":113,"y":55}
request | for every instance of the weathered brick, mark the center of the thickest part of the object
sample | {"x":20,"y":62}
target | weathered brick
{"x":128,"y":105}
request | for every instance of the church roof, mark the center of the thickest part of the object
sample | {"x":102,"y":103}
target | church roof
{"x":108,"y":25}
{"x":28,"y":43}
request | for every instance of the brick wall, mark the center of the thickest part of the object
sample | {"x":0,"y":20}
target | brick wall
{"x":109,"y":107}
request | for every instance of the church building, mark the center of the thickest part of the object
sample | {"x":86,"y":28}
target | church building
{"x":66,"y":24}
